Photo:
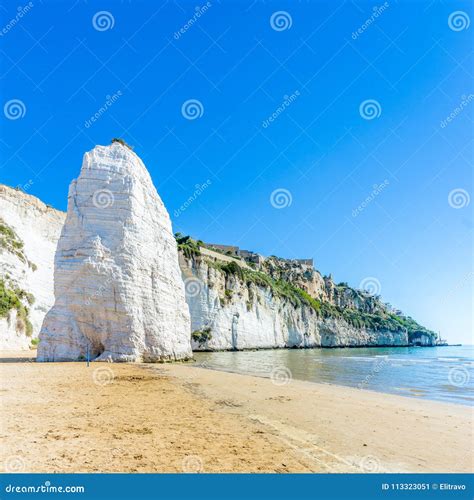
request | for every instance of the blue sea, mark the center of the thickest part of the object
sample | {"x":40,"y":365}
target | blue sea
{"x":437,"y":373}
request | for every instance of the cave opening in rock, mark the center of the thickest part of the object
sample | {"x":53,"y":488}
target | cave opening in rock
{"x":96,"y":349}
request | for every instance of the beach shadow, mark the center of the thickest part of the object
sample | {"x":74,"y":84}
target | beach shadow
{"x":17,"y":359}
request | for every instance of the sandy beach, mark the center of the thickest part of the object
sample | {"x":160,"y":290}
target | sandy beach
{"x":67,"y":417}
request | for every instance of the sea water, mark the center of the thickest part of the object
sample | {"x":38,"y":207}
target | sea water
{"x":439,"y":373}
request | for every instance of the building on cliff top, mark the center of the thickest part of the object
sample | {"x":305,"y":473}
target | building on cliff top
{"x":249,"y":256}
{"x":228,"y":249}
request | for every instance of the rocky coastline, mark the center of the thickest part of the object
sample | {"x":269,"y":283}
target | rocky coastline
{"x":127,"y":289}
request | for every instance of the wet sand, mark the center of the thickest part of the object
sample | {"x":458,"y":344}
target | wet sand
{"x":67,"y":417}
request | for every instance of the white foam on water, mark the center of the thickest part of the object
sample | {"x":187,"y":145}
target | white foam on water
{"x":414,"y":361}
{"x":357,"y":358}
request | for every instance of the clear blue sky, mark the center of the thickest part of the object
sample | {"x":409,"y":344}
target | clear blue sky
{"x":414,"y":59}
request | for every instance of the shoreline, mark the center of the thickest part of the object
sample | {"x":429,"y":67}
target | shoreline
{"x":299,"y":348}
{"x":348,"y":426}
{"x":67,"y":417}
{"x":330,"y":384}
{"x":436,"y":375}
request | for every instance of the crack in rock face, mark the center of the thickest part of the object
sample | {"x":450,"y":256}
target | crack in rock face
{"x":118,"y":290}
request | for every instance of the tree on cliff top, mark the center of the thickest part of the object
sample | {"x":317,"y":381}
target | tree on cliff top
{"x":122,"y":142}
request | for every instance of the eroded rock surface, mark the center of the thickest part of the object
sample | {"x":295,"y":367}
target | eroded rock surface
{"x":29,"y":232}
{"x":231,"y":313}
{"x":118,"y":290}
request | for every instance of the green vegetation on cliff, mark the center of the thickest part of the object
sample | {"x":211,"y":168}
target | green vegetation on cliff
{"x":122,"y":142}
{"x":202,"y":336}
{"x":11,"y":242}
{"x":411,"y":325}
{"x":298,"y":297}
{"x":11,"y":298}
{"x":383,"y":319}
{"x":189,"y":247}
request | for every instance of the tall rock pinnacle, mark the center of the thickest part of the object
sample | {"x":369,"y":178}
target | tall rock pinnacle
{"x":118,"y":289}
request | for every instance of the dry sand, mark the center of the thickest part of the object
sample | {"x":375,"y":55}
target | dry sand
{"x":66,"y":417}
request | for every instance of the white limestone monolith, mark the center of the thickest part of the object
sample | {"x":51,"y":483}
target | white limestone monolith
{"x":118,"y":290}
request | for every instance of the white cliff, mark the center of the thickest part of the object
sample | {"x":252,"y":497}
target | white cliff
{"x":231,"y":312}
{"x":28,"y":239}
{"x":114,"y":270}
{"x":117,"y":284}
